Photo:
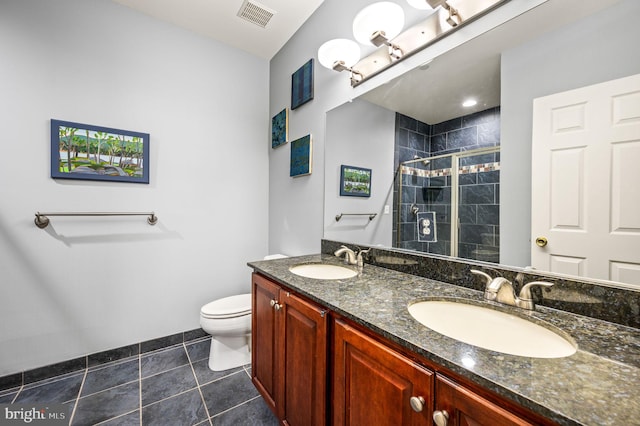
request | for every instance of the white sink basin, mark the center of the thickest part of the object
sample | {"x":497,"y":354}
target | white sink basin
{"x":491,"y":329}
{"x":322,"y":271}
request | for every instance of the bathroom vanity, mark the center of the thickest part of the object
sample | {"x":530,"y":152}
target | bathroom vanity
{"x":347,"y":351}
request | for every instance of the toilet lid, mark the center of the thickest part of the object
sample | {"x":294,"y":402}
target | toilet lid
{"x":228,"y":307}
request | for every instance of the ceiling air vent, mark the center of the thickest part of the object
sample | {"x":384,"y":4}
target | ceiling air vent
{"x":255,"y":13}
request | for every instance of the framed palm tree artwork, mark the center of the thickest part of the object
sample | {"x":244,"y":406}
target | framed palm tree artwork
{"x":88,"y":152}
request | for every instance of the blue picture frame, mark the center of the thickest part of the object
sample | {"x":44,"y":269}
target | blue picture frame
{"x":89,"y":152}
{"x":280,"y":128}
{"x":302,"y":85}
{"x":301,"y":157}
{"x":355,"y":181}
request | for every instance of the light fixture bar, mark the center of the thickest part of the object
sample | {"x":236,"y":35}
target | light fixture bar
{"x":437,"y":25}
{"x":379,"y":39}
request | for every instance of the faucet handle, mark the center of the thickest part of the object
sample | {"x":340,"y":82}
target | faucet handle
{"x":486,"y":276}
{"x":525,"y":292}
{"x":362,"y":252}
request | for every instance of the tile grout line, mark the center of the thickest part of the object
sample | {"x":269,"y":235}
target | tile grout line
{"x":13,"y":401}
{"x":75,"y":404}
{"x":116,"y":417}
{"x":140,"y":382}
{"x":236,"y":406}
{"x":206,"y":409}
{"x":109,"y":388}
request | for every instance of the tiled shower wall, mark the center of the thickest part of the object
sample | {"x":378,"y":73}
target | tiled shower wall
{"x":428,"y":187}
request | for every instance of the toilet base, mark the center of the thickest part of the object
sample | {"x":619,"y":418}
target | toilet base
{"x":229,"y":352}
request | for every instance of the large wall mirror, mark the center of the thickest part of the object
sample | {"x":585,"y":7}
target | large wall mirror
{"x":417,"y":120}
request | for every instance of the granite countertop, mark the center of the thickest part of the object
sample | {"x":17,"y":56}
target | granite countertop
{"x":598,"y":385}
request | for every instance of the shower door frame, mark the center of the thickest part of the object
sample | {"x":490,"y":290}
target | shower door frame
{"x":455,"y":166}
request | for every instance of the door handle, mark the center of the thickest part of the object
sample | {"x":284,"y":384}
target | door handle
{"x":541,"y":241}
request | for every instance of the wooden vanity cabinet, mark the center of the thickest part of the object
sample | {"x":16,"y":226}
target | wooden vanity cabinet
{"x":374,"y":385}
{"x":372,"y":381}
{"x":466,"y":408}
{"x":289,"y":353}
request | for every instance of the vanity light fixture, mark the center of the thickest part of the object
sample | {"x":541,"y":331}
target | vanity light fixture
{"x":454,"y":18}
{"x":341,"y":54}
{"x":379,"y":23}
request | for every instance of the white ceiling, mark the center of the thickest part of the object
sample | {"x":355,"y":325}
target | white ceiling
{"x":431,"y":95}
{"x":219,"y":20}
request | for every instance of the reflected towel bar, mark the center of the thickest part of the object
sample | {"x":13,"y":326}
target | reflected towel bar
{"x":42,"y":221}
{"x":371,"y":215}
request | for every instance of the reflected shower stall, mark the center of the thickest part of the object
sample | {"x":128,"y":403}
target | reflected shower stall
{"x":449,"y":204}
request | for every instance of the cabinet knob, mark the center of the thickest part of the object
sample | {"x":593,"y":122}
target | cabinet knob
{"x":440,"y":417}
{"x":277,"y":306}
{"x":272,"y":303}
{"x":417,"y":403}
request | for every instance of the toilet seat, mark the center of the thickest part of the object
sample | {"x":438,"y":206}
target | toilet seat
{"x":228,"y":307}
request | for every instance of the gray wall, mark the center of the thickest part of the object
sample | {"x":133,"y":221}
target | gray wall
{"x":86,"y":285}
{"x":596,"y":49}
{"x":355,"y":131}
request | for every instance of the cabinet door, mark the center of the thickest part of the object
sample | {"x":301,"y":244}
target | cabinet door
{"x":304,"y":363}
{"x":373,"y":385}
{"x":264,"y":333}
{"x":465,"y":408}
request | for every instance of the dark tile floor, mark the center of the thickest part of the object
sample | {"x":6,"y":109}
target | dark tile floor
{"x":169,"y":387}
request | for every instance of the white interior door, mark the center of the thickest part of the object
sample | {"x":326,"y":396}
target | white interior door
{"x":586,"y":181}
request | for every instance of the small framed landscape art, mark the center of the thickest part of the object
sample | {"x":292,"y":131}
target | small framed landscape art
{"x":355,"y":181}
{"x":300,"y":157}
{"x":302,"y":85}
{"x":280,"y":128}
{"x":88,"y":152}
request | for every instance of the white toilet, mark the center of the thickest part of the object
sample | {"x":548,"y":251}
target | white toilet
{"x":228,"y":321}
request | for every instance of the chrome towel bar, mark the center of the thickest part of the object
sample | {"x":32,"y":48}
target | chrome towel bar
{"x":371,"y":215}
{"x":42,"y":220}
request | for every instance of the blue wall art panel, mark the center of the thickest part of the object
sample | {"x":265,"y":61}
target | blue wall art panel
{"x":300,"y":157}
{"x":302,"y":85}
{"x":280,"y":128}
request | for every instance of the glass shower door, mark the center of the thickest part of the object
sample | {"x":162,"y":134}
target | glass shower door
{"x":478,"y":207}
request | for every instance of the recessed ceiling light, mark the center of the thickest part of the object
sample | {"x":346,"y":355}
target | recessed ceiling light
{"x":469,"y":103}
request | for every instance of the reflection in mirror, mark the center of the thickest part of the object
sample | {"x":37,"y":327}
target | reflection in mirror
{"x":539,"y":53}
{"x":447,"y":198}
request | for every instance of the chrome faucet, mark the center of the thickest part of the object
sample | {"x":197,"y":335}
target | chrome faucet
{"x":351,"y":258}
{"x":501,"y":290}
{"x":349,"y":255}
